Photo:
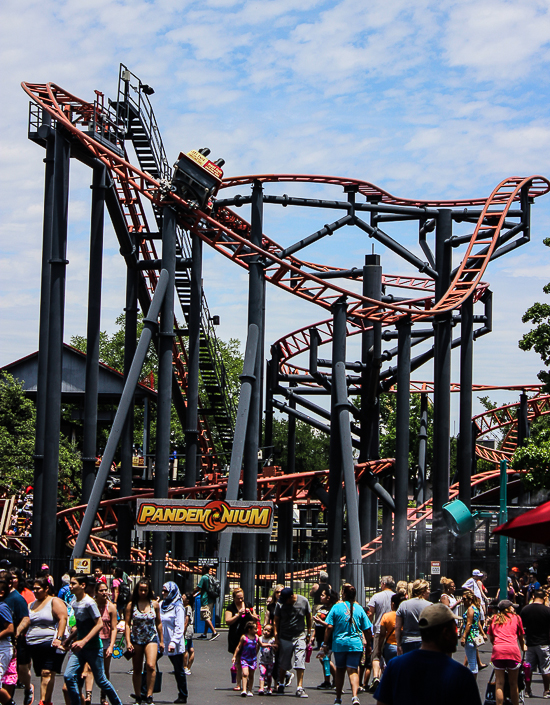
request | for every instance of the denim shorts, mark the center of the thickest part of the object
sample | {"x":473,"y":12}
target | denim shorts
{"x":347,"y":659}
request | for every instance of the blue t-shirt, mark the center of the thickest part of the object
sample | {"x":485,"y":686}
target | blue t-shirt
{"x":348,"y":632}
{"x":427,"y":678}
{"x":6,"y":617}
{"x":18,"y":605}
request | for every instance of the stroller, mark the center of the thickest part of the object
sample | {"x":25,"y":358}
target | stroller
{"x":524,"y":677}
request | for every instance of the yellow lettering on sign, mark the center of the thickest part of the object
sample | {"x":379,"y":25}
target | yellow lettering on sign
{"x":191,"y":514}
{"x":169,"y":514}
{"x":157,"y":516}
{"x":197,"y":157}
{"x":180,"y":515}
{"x":227,"y":515}
{"x":259,"y":516}
{"x":244,"y":515}
{"x":146,"y":511}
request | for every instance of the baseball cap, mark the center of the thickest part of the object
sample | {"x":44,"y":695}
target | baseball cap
{"x":477,"y":573}
{"x":285,"y":594}
{"x":434,"y":615}
{"x":504,"y":605}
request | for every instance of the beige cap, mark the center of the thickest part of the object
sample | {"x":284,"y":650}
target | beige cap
{"x":434,"y":615}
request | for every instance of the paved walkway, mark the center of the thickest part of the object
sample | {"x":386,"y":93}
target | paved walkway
{"x":210,"y":682}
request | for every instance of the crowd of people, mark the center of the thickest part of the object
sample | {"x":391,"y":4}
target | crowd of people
{"x":409,"y":620}
{"x":76,"y":629}
{"x":395,"y":644}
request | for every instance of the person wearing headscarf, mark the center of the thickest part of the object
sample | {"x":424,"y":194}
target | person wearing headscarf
{"x":172,"y":615}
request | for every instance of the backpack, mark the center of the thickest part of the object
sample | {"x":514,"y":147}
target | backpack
{"x":123,"y":596}
{"x":214,"y":587}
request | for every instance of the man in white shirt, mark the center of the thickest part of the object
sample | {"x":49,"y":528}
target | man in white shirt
{"x":377,"y":606}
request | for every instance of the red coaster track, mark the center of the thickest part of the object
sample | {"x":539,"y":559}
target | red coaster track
{"x":229,"y":234}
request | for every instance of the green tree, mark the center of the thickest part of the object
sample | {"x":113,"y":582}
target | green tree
{"x":534,"y":457}
{"x":233,"y":361}
{"x":111,"y":353}
{"x":388,"y":435}
{"x":312,"y":446}
{"x":538,"y":339}
{"x":17,"y":431}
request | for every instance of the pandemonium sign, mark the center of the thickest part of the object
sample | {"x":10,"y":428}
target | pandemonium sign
{"x":203,"y":515}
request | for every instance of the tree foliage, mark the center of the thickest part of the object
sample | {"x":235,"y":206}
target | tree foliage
{"x":538,"y":339}
{"x":17,"y":431}
{"x":312,"y":446}
{"x":534,"y":456}
{"x":388,"y":432}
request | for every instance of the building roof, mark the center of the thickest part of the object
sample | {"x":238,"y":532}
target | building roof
{"x":110,"y":382}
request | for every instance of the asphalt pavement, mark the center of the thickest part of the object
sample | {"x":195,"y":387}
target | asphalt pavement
{"x":210,"y":682}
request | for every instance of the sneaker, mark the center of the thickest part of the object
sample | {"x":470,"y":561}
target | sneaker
{"x":29,"y":696}
{"x":243,"y":694}
{"x":149,"y":700}
{"x":337,"y":701}
{"x":374,"y":685}
{"x":180,"y":700}
{"x":187,"y":671}
{"x":355,"y":701}
{"x":269,"y":691}
{"x":261,"y":691}
{"x":325,"y":685}
{"x":301,"y":693}
{"x":546,"y":695}
{"x":289,"y":678}
{"x":250,"y":694}
{"x":281,"y":689}
{"x":202,"y":636}
{"x":214,"y":636}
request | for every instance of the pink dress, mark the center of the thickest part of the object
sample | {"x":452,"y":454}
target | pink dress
{"x":505,"y":645}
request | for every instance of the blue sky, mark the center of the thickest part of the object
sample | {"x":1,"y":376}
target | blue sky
{"x":425,"y":99}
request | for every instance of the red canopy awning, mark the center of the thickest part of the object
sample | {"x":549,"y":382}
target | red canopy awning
{"x":533,"y":525}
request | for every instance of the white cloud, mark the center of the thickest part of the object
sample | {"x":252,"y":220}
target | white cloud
{"x":424,"y":99}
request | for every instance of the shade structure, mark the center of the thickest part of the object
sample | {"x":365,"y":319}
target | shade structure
{"x":532,"y":526}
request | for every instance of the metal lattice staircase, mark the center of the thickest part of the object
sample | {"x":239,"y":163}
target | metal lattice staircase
{"x":217,"y":406}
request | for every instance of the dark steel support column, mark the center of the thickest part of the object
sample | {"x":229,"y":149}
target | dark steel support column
{"x":94,"y":322}
{"x":387,"y":528}
{"x":523,"y":420}
{"x":272,"y":382}
{"x":400,"y":539}
{"x":42,"y":374}
{"x":371,"y":343}
{"x":354,"y":568}
{"x":465,"y":420}
{"x":284,"y":539}
{"x":291,"y":442}
{"x":149,"y":324}
{"x":465,"y":444}
{"x":192,"y":412}
{"x":124,"y":511}
{"x":524,"y":498}
{"x":335,"y":494}
{"x":421,"y":479}
{"x":164,"y":403}
{"x":256,"y":293}
{"x":237,"y":451}
{"x":442,"y":392}
{"x":58,"y":266}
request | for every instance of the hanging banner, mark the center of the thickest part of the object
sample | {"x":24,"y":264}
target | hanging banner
{"x":204,"y":515}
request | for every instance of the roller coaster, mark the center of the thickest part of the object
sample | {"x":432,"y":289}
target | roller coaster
{"x":190,"y":209}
